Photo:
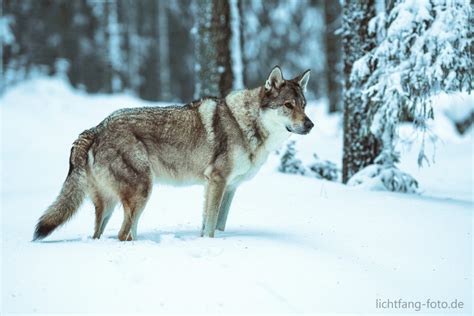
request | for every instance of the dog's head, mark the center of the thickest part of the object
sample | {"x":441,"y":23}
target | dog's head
{"x":283,"y":102}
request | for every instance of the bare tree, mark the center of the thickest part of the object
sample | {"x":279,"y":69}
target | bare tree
{"x":128,"y":13}
{"x":236,"y":44}
{"x":213,"y":57}
{"x":332,"y":15}
{"x":114,"y":50}
{"x":164,"y":73}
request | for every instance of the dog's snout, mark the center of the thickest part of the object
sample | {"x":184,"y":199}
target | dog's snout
{"x":308,"y":124}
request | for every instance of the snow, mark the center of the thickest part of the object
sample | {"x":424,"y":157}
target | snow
{"x":294,"y":244}
{"x":385,"y":178}
{"x":456,"y":107}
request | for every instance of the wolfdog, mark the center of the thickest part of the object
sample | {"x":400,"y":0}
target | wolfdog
{"x":218,"y":142}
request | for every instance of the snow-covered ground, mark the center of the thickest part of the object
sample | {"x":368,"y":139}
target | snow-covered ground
{"x":293,"y":245}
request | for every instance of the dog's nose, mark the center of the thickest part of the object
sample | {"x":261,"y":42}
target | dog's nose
{"x":308,"y":124}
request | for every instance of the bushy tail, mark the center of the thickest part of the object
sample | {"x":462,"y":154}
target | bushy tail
{"x":73,"y":191}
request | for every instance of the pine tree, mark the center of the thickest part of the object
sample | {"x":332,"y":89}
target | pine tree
{"x":324,"y":169}
{"x":360,"y":147}
{"x":213,"y":43}
{"x":425,"y":47}
{"x":288,"y":161}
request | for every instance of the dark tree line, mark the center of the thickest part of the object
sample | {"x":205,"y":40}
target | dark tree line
{"x":152,"y":48}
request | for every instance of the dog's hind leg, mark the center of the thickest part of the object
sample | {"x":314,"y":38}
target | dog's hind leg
{"x":104,"y":208}
{"x":224,"y":209}
{"x":214,"y":193}
{"x":132,"y":176}
{"x":133,"y":204}
{"x":99,"y":213}
{"x":124,"y":233}
{"x":135,"y":218}
{"x":109,"y":207}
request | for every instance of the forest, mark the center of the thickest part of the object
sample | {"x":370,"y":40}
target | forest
{"x":371,"y":212}
{"x":379,"y":62}
{"x":151,"y":48}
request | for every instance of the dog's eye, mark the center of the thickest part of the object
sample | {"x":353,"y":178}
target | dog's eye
{"x":289,"y":105}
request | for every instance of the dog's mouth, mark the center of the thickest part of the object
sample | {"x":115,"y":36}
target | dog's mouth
{"x":298,"y":131}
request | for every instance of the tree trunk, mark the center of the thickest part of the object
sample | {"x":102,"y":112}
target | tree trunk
{"x":332,"y":15}
{"x":164,"y":73}
{"x":360,"y":146}
{"x":213,"y":60}
{"x":242,"y":43}
{"x":114,"y":49}
{"x":128,"y":17}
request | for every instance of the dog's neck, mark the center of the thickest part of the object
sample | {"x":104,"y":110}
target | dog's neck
{"x":245,"y":106}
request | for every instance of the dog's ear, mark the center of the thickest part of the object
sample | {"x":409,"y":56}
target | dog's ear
{"x":275,"y":79}
{"x":302,"y":80}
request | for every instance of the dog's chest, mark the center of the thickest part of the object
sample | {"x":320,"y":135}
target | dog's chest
{"x":246,"y":164}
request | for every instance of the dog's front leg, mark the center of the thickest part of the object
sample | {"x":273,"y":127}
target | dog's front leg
{"x":225,"y":206}
{"x":214,"y":192}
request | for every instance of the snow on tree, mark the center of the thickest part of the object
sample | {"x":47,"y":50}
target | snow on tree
{"x":379,"y":177}
{"x":324,"y":169}
{"x":425,"y":48}
{"x":288,"y":161}
{"x":213,"y":43}
{"x":457,"y":108}
{"x":321,"y":169}
{"x":360,"y":149}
